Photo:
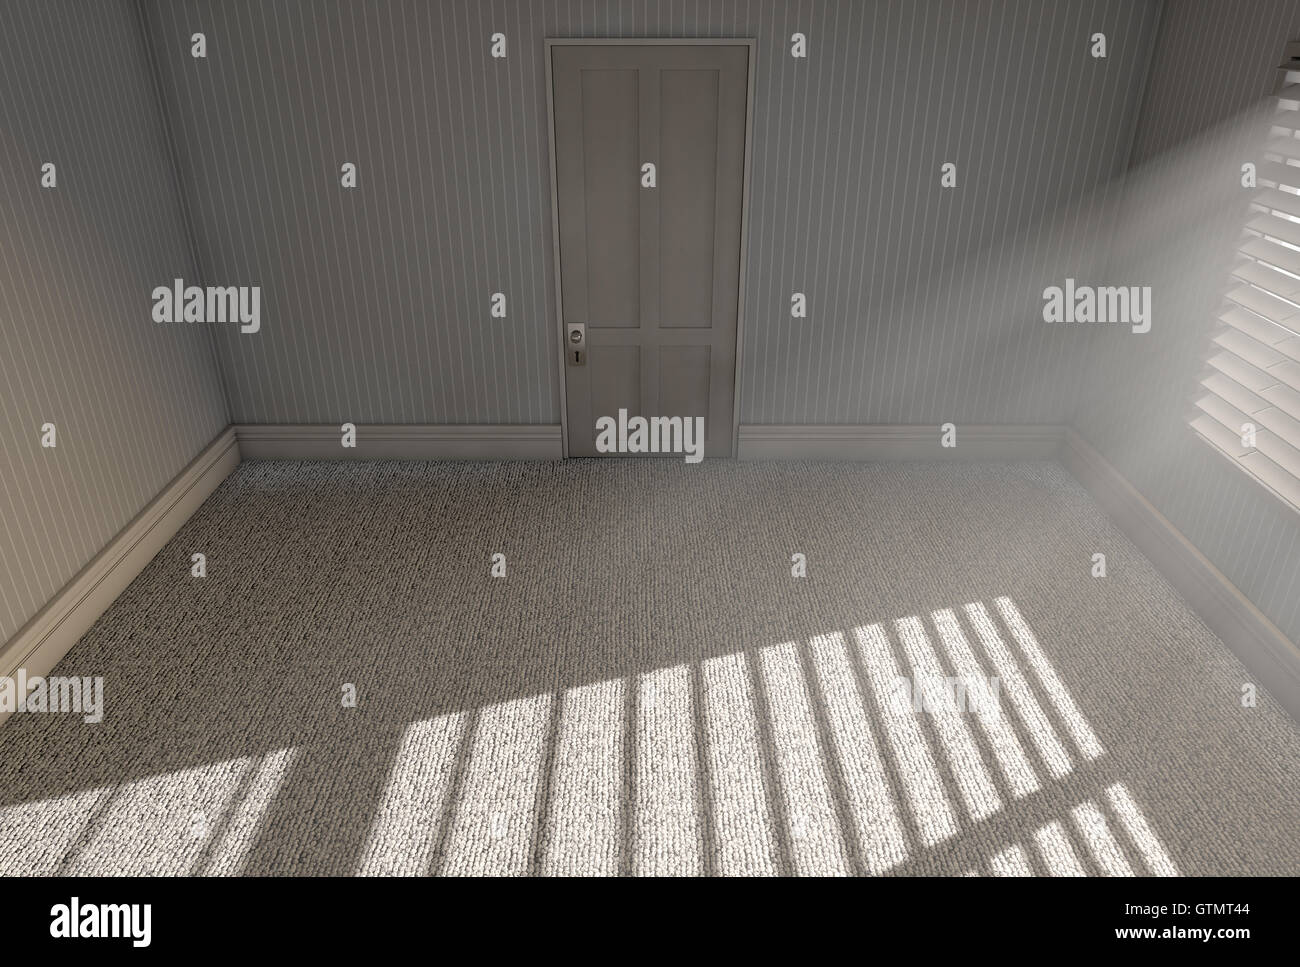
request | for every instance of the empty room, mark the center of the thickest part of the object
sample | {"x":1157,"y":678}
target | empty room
{"x":649,"y":438}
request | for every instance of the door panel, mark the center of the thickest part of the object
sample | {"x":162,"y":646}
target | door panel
{"x":688,"y":153}
{"x":611,"y":146}
{"x":615,"y":379}
{"x":685,"y":374}
{"x":652,"y":273}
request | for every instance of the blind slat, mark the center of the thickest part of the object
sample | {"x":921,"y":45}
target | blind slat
{"x":1283,"y":397}
{"x":1272,"y":253}
{"x":1286,"y":147}
{"x":1290,"y":346}
{"x":1276,"y":227}
{"x":1278,"y":450}
{"x":1258,"y":409}
{"x":1277,"y":172}
{"x":1280,"y":481}
{"x":1256,"y":327}
{"x":1251,"y":350}
{"x":1237,"y":368}
{"x":1252,"y":462}
{"x":1223,"y":411}
{"x":1262,"y":304}
{"x":1274,"y":198}
{"x":1250,"y":353}
{"x":1241,"y":399}
{"x":1268,"y":278}
{"x":1267,"y":438}
{"x":1219,"y":435}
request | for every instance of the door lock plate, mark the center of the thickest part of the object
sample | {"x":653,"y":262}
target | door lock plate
{"x":575,"y":343}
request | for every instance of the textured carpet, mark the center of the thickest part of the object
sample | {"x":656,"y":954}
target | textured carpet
{"x":648,"y":689}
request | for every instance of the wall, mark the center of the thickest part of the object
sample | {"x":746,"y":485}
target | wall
{"x":375,"y":299}
{"x":924,"y":303}
{"x":133,"y":403}
{"x":1212,"y":70}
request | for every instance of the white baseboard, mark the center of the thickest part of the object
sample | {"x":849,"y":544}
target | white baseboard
{"x":897,"y":442}
{"x":1260,"y":644}
{"x":46,"y":638}
{"x":377,"y":441}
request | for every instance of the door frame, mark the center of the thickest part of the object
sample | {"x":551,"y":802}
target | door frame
{"x":551,"y":42}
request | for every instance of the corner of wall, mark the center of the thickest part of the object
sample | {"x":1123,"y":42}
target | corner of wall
{"x":146,"y":37}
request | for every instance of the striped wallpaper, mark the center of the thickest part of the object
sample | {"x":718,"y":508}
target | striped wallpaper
{"x":923,"y":302}
{"x":132,"y":403}
{"x":1212,"y":72}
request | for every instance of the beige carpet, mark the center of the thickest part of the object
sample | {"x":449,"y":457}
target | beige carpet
{"x":648,"y":689}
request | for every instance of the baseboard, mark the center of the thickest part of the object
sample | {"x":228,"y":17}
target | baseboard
{"x":46,"y":638}
{"x":897,"y":442}
{"x":378,"y":441}
{"x":1262,"y":647}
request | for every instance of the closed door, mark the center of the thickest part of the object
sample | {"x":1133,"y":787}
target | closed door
{"x":649,"y":148}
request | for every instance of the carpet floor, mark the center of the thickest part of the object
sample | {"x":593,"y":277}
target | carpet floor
{"x":648,"y":689}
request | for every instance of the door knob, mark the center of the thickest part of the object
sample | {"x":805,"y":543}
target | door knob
{"x":576,"y":351}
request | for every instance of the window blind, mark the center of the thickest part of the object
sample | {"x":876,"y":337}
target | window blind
{"x":1252,"y":374}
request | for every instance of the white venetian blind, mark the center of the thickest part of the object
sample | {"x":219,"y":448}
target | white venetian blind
{"x":1253,"y":376}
